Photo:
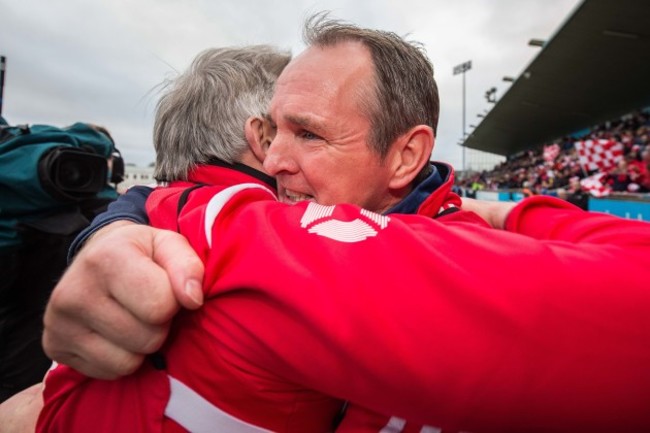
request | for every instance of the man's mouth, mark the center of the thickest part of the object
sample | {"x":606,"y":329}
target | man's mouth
{"x":291,"y":197}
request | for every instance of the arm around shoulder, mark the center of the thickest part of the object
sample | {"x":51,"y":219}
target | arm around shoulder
{"x":549,"y":218}
{"x":128,"y":207}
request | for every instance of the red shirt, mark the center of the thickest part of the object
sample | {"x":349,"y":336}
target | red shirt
{"x":546,"y":327}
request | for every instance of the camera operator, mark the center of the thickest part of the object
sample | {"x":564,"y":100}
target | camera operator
{"x":53,"y":181}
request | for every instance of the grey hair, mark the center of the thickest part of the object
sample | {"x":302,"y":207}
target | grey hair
{"x":201,"y":115}
{"x":404,"y":94}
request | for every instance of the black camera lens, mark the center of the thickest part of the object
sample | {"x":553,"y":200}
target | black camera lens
{"x":74,"y":175}
{"x":71,"y":173}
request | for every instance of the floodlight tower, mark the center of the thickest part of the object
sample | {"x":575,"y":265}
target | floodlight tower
{"x":461,"y":69}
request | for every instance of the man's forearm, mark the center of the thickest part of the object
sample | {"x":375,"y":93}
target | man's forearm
{"x":19,"y":413}
{"x":129,"y":206}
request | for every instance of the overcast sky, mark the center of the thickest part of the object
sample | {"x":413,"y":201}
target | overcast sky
{"x":100,"y":61}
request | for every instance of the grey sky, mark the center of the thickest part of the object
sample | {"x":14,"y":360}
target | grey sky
{"x":100,"y":61}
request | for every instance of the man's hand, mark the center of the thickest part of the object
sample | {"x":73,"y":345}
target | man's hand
{"x":493,"y":212}
{"x":115,"y":302}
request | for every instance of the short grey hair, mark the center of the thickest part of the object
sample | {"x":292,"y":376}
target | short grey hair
{"x":405,"y":91}
{"x":201,"y":115}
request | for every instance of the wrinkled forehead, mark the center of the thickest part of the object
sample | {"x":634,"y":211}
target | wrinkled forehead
{"x":342,"y":57}
{"x":336,"y":75}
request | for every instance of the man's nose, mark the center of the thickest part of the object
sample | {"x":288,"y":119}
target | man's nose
{"x":279,"y":157}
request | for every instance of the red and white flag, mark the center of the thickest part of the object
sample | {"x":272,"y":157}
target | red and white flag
{"x":600,"y":155}
{"x":594,"y":185}
{"x":551,"y":152}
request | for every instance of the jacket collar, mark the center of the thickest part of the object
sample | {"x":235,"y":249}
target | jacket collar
{"x":430,"y":195}
{"x":263,"y":177}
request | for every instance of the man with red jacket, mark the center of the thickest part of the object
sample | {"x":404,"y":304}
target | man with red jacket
{"x":72,"y":402}
{"x":436,"y":327}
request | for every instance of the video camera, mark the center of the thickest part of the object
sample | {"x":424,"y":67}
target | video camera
{"x":70,"y":173}
{"x":44,"y":168}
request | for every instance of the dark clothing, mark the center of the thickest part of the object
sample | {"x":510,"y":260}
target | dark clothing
{"x":28,"y":273}
{"x":129,"y":207}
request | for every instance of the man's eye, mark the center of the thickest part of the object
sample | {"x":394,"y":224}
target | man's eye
{"x":309,"y":135}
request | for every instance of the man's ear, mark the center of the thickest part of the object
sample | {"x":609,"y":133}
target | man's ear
{"x":256,"y":131}
{"x":410,"y":153}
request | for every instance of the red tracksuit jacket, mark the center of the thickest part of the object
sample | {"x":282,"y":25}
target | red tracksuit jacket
{"x":546,"y":328}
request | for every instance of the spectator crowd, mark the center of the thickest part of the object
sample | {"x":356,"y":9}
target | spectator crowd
{"x":555,"y":169}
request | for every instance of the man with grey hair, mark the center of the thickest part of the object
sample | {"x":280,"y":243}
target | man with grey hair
{"x":444,"y":351}
{"x":207,"y":111}
{"x":209,"y":134}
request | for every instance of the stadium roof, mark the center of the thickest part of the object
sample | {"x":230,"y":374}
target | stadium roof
{"x":594,"y":69}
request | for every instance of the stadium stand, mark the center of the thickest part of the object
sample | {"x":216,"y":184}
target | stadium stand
{"x":588,"y":85}
{"x":547,"y":172}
